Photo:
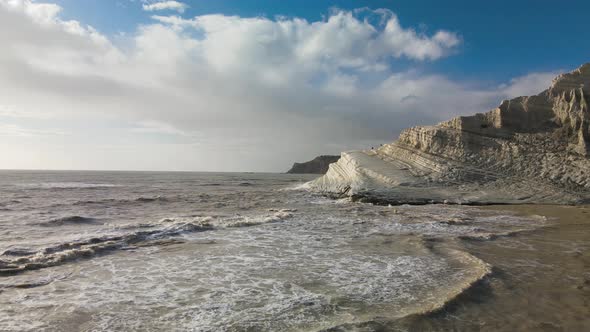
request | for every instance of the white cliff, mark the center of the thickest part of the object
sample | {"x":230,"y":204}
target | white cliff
{"x":528,"y":150}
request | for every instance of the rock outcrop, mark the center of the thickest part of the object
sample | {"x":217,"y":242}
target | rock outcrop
{"x":528,"y":150}
{"x":319,"y":165}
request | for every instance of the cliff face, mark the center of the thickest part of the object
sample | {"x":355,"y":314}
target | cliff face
{"x":319,"y":165}
{"x":528,"y":150}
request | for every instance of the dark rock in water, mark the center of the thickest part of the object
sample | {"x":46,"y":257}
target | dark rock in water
{"x":319,"y":165}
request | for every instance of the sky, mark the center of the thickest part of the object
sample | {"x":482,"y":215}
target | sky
{"x":233,"y":85}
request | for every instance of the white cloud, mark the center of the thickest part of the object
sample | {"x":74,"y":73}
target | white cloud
{"x":165,"y":5}
{"x":406,"y":42}
{"x":529,"y":84}
{"x":343,"y":40}
{"x":44,"y":13}
{"x":229,"y":93}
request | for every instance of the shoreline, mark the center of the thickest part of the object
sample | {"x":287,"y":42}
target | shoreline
{"x":564,"y":214}
{"x":480,"y":287}
{"x":540,"y":281}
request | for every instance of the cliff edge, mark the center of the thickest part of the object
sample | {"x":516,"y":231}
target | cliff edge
{"x":527,"y":150}
{"x":319,"y":165}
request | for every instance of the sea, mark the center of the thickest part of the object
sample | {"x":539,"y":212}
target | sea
{"x":181,"y":251}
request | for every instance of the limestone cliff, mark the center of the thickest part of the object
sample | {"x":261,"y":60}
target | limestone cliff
{"x":319,"y":165}
{"x":528,"y":150}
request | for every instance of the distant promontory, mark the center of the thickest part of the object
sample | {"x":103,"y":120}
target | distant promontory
{"x":319,"y":165}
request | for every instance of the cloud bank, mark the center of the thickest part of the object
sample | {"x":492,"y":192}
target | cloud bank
{"x":217,"y":92}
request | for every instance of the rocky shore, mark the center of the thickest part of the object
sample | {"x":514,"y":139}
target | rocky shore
{"x":531,"y":150}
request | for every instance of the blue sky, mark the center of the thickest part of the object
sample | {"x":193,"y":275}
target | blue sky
{"x":256,"y":85}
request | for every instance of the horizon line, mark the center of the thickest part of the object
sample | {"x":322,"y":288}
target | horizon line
{"x":128,"y":171}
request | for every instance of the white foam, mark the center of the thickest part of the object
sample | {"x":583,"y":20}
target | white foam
{"x":298,"y":187}
{"x":245,"y":221}
{"x":222,"y":222}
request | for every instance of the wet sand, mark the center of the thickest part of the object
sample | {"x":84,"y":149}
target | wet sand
{"x":540,"y":280}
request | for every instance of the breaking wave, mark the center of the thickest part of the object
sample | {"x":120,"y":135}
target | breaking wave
{"x":123,"y":201}
{"x":476,"y":271}
{"x":70,"y":220}
{"x":151,"y":199}
{"x":17,"y":260}
{"x":473,"y":271}
{"x":69,"y":251}
{"x":33,"y":283}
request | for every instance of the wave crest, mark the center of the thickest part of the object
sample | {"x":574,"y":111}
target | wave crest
{"x":17,"y":260}
{"x":69,"y":220}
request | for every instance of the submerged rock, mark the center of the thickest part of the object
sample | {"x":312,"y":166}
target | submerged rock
{"x":528,"y":150}
{"x":319,"y":165}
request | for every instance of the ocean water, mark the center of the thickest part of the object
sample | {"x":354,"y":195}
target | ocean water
{"x":142,"y":251}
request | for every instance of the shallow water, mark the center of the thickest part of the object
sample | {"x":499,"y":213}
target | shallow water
{"x":103,"y":251}
{"x":540,"y":279}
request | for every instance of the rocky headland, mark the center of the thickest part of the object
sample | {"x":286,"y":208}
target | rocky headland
{"x":528,"y":150}
{"x":319,"y":165}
